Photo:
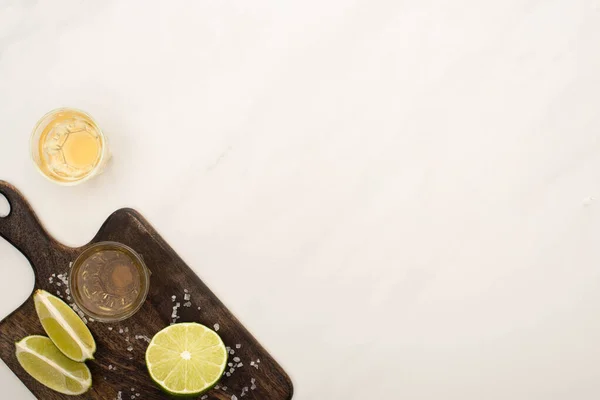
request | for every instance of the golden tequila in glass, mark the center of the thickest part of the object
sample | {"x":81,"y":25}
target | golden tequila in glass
{"x":109,"y":281}
{"x":68,"y":146}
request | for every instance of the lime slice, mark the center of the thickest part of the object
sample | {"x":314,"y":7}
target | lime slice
{"x":44,"y":362}
{"x":64,"y":327}
{"x":186,"y":359}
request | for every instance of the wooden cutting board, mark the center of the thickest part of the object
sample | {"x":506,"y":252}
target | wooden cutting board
{"x":119,"y":370}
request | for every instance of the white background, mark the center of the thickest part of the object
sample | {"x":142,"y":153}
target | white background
{"x":398,"y":198}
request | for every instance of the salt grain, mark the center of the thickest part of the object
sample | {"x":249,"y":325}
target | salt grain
{"x":238,"y":346}
{"x":188,"y":304}
{"x":173,"y":298}
{"x":130,"y":348}
{"x":236,"y":359}
{"x":143,"y":337}
{"x":240,"y":365}
{"x":120,"y":330}
{"x":216,"y":326}
{"x":234,"y":397}
{"x":110,"y":328}
{"x":186,"y":296}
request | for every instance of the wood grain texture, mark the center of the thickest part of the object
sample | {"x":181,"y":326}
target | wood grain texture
{"x":119,"y":365}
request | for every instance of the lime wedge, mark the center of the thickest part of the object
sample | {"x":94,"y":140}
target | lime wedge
{"x":44,"y":362}
{"x":186,"y":359}
{"x":64,"y":327}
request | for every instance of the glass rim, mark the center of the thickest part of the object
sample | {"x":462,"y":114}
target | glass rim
{"x":33,"y":147}
{"x":145,"y":280}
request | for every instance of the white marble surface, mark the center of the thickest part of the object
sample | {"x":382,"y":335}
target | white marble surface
{"x":398,"y":198}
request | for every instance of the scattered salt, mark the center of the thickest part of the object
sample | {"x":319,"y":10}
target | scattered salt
{"x":236,"y":359}
{"x":238,"y":346}
{"x":216,"y":326}
{"x":240,"y":365}
{"x":110,"y":328}
{"x":130,"y":348}
{"x":188,"y":304}
{"x":143,"y":337}
{"x":186,"y":296}
{"x":234,"y":397}
{"x":173,"y":298}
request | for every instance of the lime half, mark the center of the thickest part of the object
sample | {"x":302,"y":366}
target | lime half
{"x":43,"y":361}
{"x":64,"y":327}
{"x":186,"y":359}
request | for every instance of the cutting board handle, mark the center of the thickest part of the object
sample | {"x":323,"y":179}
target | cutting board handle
{"x":22,"y":228}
